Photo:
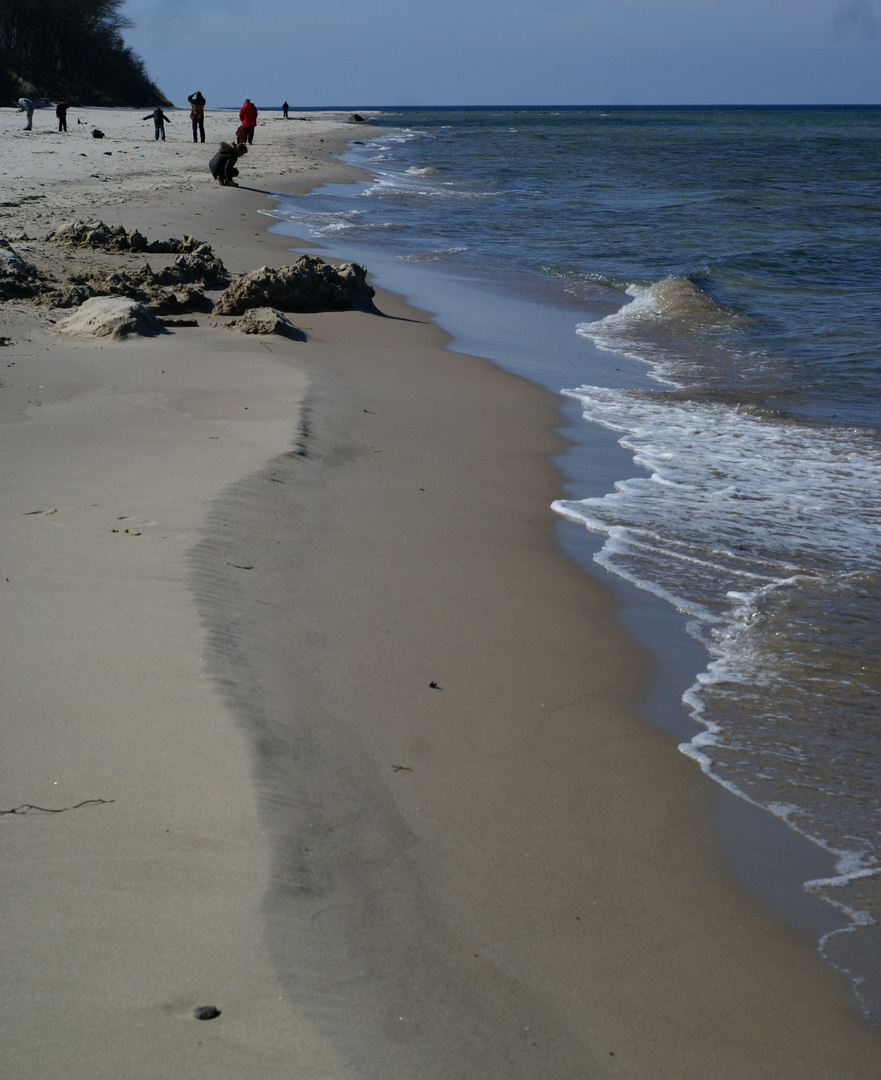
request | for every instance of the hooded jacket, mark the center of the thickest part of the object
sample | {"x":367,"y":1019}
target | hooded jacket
{"x":248,"y":114}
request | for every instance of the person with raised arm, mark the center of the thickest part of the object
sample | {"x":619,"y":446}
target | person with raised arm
{"x":197,"y":114}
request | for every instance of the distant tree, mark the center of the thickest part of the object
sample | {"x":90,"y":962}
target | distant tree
{"x":73,"y":49}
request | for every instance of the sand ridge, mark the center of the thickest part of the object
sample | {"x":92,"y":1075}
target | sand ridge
{"x":119,"y":926}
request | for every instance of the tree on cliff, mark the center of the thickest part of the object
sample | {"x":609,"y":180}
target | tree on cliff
{"x":72,"y":49}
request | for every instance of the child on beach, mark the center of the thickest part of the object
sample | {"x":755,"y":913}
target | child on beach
{"x":159,"y":121}
{"x":222,"y":165}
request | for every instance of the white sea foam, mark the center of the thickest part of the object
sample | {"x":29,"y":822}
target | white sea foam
{"x":440,"y":255}
{"x":760,"y":529}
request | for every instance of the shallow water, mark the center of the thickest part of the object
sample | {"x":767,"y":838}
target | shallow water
{"x":702,"y":283}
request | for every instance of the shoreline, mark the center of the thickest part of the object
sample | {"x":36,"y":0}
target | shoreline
{"x":409,"y":831}
{"x":767,"y":857}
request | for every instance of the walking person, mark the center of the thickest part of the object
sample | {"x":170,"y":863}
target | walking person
{"x":197,"y":115}
{"x":27,"y":106}
{"x":248,"y":119}
{"x":159,"y":121}
{"x":61,"y":113}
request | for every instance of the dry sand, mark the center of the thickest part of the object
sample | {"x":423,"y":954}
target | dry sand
{"x":232,"y":567}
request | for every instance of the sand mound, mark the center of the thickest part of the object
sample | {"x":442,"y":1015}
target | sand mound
{"x":309,"y":284}
{"x":172,"y":288}
{"x":95,"y":234}
{"x":110,"y":316}
{"x":264,"y":320}
{"x":17,"y":276}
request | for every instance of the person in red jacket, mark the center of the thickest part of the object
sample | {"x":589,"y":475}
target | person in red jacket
{"x":248,"y":117}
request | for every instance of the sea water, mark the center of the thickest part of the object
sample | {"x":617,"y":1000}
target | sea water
{"x":705,"y":283}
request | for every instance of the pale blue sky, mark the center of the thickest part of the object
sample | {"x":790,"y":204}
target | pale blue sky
{"x":357,"y":54}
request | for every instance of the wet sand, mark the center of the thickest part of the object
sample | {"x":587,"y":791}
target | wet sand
{"x":371,"y":779}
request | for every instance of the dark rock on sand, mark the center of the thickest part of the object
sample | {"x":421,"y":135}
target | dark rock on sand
{"x":309,"y":284}
{"x":206,"y":1012}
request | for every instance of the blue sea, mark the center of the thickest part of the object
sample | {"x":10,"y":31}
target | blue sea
{"x":704,"y":286}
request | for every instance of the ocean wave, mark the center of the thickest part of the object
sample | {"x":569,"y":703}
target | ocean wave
{"x":761,"y":530}
{"x":674,"y":308}
{"x":318,"y":223}
{"x":441,"y":255}
{"x":748,"y":492}
{"x":412,"y":184}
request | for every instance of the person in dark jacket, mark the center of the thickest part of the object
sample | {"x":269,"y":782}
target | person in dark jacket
{"x":159,"y":121}
{"x":223,"y":164}
{"x":248,"y":119}
{"x":197,"y":115}
{"x":61,"y":113}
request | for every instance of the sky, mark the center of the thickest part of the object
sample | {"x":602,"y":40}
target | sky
{"x":356,"y":55}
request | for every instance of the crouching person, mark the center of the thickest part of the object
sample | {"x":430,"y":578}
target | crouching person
{"x":223,"y":164}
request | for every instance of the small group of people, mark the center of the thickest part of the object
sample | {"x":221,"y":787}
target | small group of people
{"x":197,"y":118}
{"x":27,"y":106}
{"x":245,"y":134}
{"x":247,"y":119}
{"x":222,"y":164}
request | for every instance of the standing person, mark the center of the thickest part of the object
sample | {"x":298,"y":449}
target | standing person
{"x":26,"y":106}
{"x":284,"y":110}
{"x":197,"y":103}
{"x":159,"y":121}
{"x":248,"y":118}
{"x":223,"y":164}
{"x":61,"y":113}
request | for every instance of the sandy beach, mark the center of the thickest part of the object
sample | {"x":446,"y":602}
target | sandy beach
{"x":305,"y":717}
